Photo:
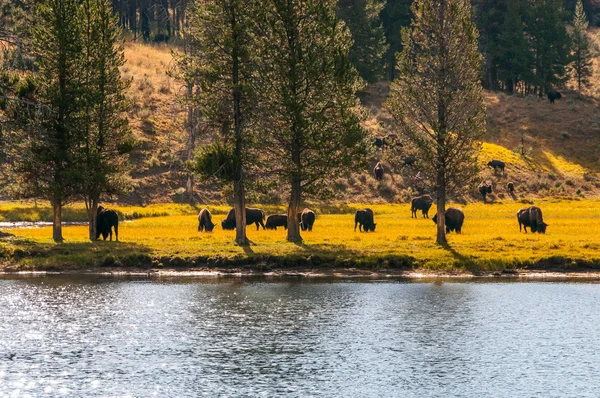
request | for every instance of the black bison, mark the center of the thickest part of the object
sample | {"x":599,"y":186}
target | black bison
{"x":484,"y":189}
{"x":409,"y":160}
{"x":253,"y":216}
{"x":364,"y":219}
{"x":497,"y":165}
{"x":389,"y":140}
{"x":531,"y":217}
{"x":205,"y":221}
{"x":105,"y":221}
{"x":276,"y":220}
{"x":422,"y":203}
{"x":454,"y":219}
{"x":378,"y":171}
{"x":161,"y":38}
{"x":307,"y":219}
{"x":378,"y":142}
{"x":511,"y":187}
{"x":553,"y":95}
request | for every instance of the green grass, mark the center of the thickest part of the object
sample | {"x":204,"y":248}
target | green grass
{"x":490,"y":241}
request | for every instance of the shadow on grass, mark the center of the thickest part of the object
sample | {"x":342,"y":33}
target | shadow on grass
{"x":31,"y":255}
{"x":463,"y":261}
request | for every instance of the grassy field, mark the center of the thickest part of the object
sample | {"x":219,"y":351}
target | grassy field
{"x":491,"y":241}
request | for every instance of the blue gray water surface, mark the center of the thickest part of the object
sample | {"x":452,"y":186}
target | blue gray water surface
{"x":90,"y":336}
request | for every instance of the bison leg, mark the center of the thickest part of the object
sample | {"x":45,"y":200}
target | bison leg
{"x":355,"y":224}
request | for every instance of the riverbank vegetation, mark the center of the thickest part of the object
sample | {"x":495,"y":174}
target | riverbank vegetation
{"x":491,"y":242}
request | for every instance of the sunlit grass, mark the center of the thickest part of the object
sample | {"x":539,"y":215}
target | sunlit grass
{"x":491,"y":239}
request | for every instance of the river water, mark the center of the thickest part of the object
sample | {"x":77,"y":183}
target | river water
{"x":98,"y":336}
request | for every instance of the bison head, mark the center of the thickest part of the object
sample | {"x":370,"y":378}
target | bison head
{"x":228,"y":224}
{"x":542,"y":228}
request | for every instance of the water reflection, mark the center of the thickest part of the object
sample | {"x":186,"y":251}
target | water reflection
{"x":86,"y":336}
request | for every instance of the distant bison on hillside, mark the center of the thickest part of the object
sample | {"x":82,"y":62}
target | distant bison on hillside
{"x":497,"y":165}
{"x":253,"y":216}
{"x":553,"y":95}
{"x":276,"y":220}
{"x":364,"y":219}
{"x":484,"y":189}
{"x":454,"y":219}
{"x":531,"y":217}
{"x":105,"y":221}
{"x":378,"y":171}
{"x":205,"y":221}
{"x":511,"y":187}
{"x":422,"y":203}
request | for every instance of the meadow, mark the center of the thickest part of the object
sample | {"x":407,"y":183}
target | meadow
{"x":168,"y":238}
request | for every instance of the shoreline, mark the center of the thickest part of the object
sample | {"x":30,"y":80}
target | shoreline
{"x":311,"y":273}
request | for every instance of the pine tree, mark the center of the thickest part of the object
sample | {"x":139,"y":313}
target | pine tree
{"x":222,"y":66}
{"x":48,"y":163}
{"x":550,"y":43}
{"x":307,"y":84}
{"x":395,"y":15}
{"x":367,"y":52}
{"x":104,"y":136}
{"x":513,"y":57}
{"x":581,"y":52}
{"x":437,"y":101}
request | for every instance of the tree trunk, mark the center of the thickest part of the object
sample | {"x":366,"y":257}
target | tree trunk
{"x":239,"y":194}
{"x":57,"y":222}
{"x":441,"y":209}
{"x":91,"y":206}
{"x":293,"y":234}
{"x":191,"y":146}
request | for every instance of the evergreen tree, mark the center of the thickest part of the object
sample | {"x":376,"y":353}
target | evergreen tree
{"x":367,"y":52}
{"x":395,"y":15}
{"x":104,"y":136}
{"x":48,"y":163}
{"x":437,"y":101}
{"x":513,"y":57}
{"x":222,"y":67}
{"x":581,"y":52}
{"x":310,"y":123}
{"x":549,"y":41}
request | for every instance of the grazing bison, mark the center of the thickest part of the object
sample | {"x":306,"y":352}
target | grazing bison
{"x":205,"y":221}
{"x":307,"y":219}
{"x":409,"y":160}
{"x":531,"y":217}
{"x":378,"y":171}
{"x":378,"y":142}
{"x":497,"y":164}
{"x":454,"y":219}
{"x":253,"y":216}
{"x":364,"y":219}
{"x":105,"y":221}
{"x":276,"y":220}
{"x":389,"y":140}
{"x":553,"y":95}
{"x":422,"y":203}
{"x":511,"y":187}
{"x":484,"y":189}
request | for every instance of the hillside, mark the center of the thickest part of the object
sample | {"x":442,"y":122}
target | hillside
{"x":550,"y":149}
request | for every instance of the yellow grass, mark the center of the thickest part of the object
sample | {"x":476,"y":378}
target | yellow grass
{"x":491,"y":240}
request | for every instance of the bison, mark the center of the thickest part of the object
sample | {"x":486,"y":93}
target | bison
{"x":205,"y":221}
{"x":276,"y":220}
{"x":531,"y":217}
{"x":497,"y":164}
{"x":511,"y":187}
{"x":105,"y":221}
{"x":378,"y":171}
{"x":454,"y":219}
{"x":422,"y":203}
{"x":253,"y":216}
{"x":553,"y":95}
{"x":307,"y":219}
{"x":364,"y":219}
{"x":484,"y":189}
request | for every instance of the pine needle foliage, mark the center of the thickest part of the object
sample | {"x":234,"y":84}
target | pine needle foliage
{"x":436,"y":100}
